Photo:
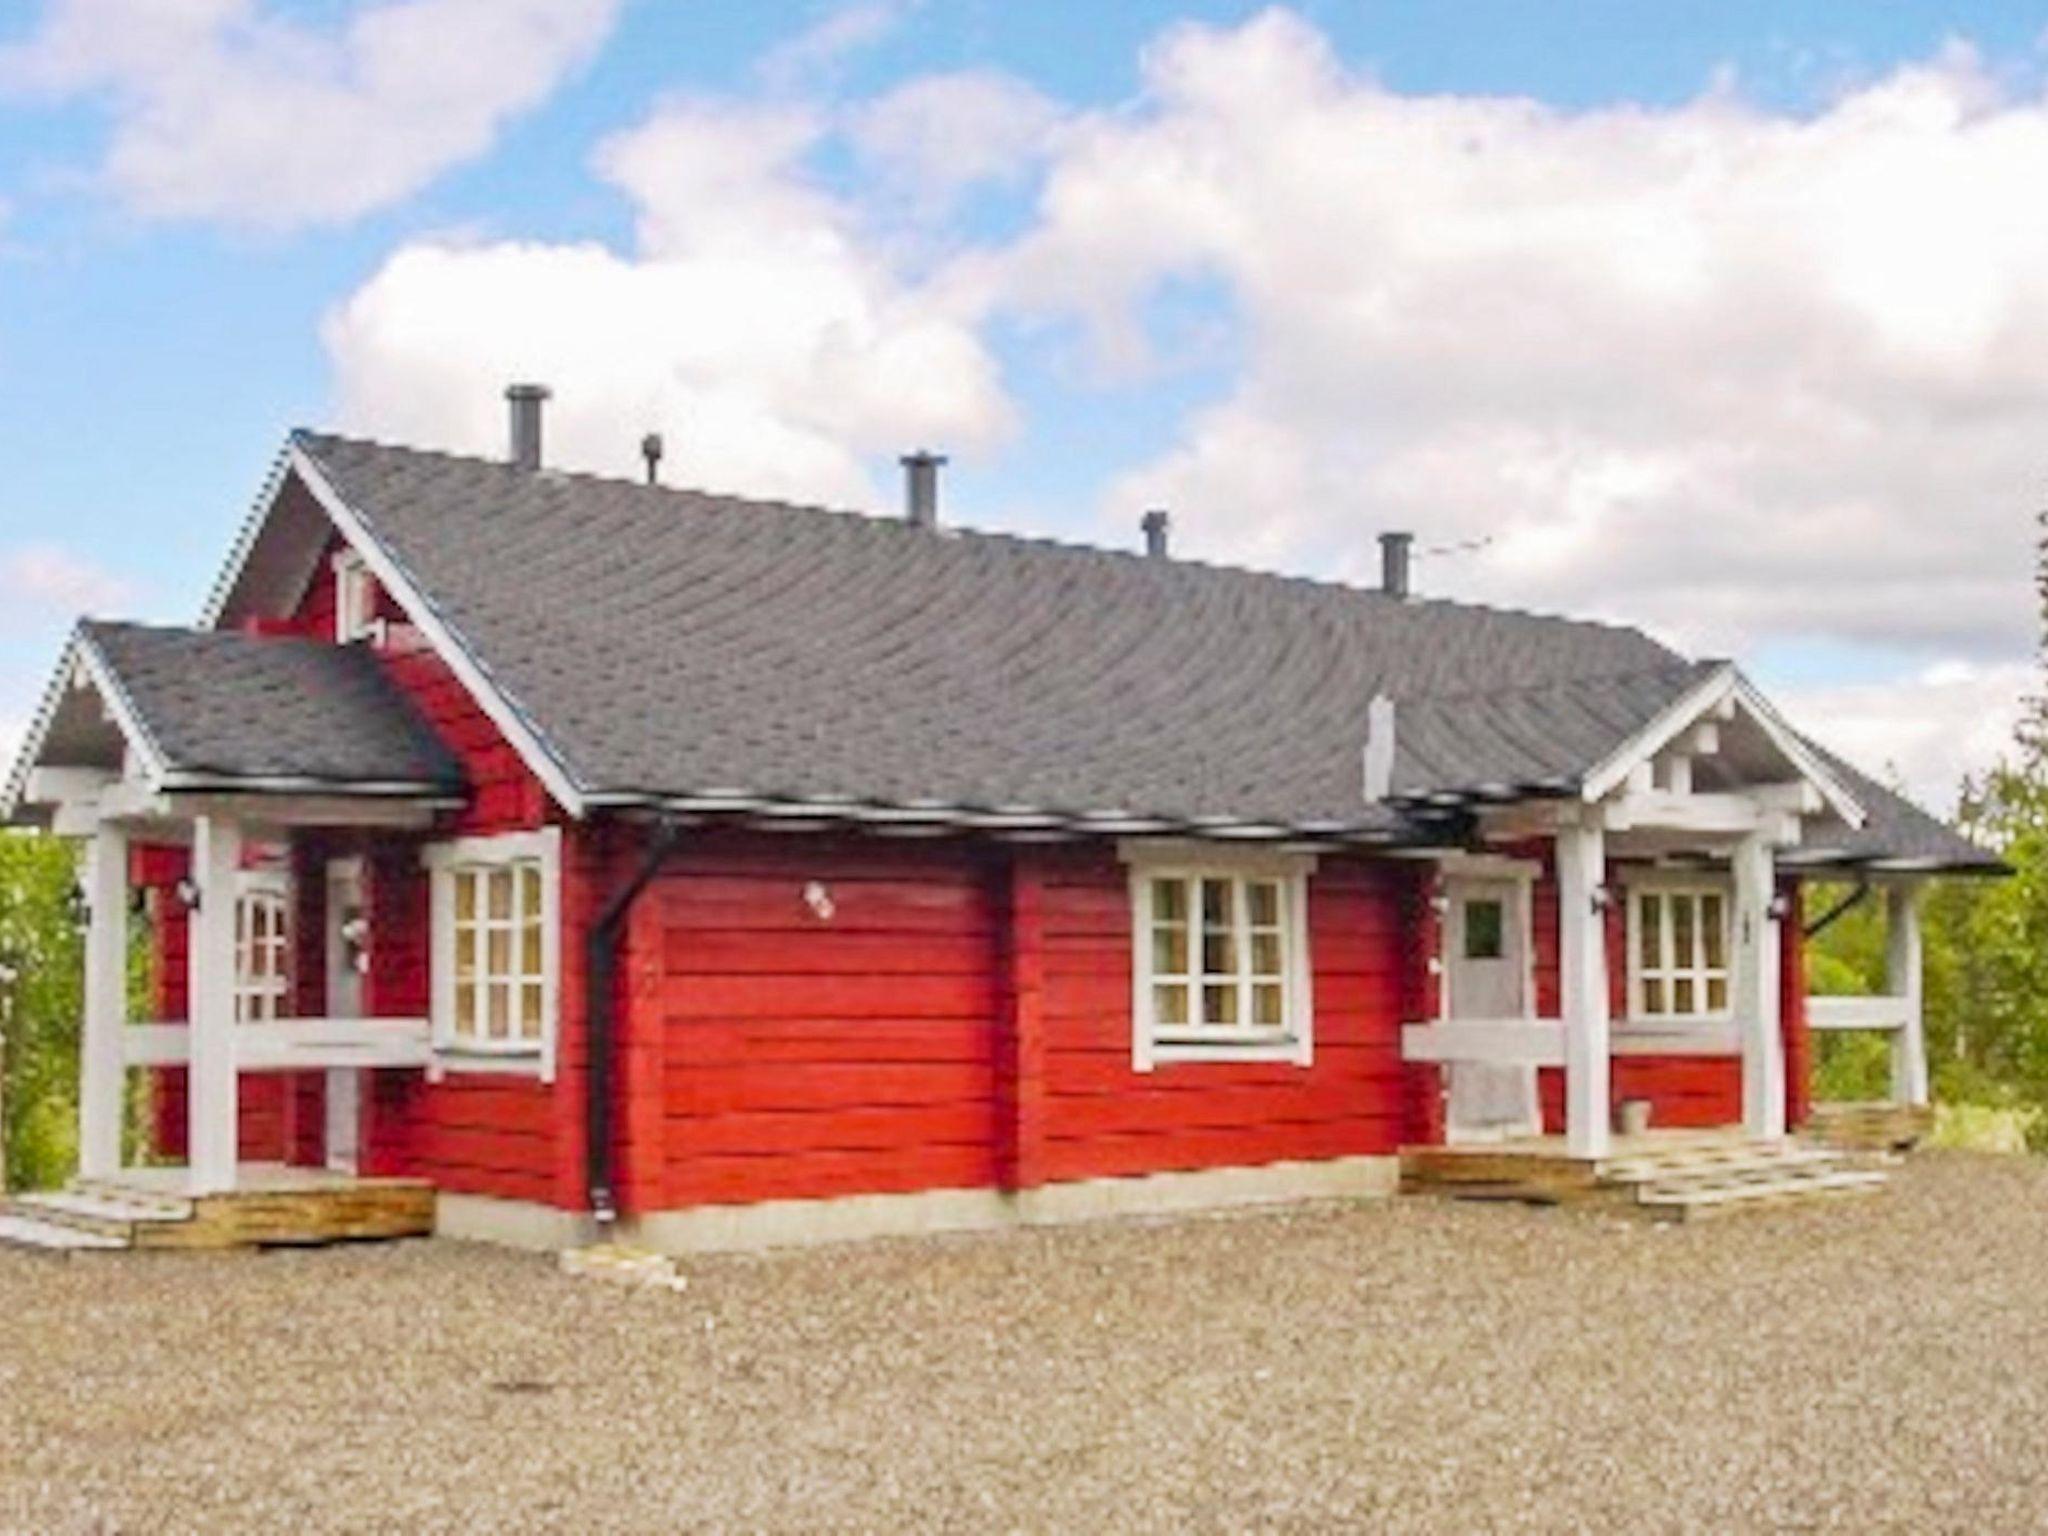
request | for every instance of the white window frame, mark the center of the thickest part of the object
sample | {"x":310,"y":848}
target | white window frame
{"x":1663,"y":888}
{"x":453,"y":1053}
{"x":269,"y":891}
{"x":355,"y":600}
{"x":1153,"y":1043}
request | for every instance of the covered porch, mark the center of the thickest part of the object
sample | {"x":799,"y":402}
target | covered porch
{"x":132,"y":753}
{"x":1675,"y":932}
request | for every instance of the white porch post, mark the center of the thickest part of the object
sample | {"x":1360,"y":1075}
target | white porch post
{"x":101,"y":1075}
{"x":1756,"y":990}
{"x":1902,"y":980}
{"x":1582,"y":965}
{"x":212,"y":1097}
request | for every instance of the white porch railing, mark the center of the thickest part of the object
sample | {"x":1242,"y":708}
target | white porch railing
{"x":1541,"y":1042}
{"x":290,"y":1045}
{"x":1876,"y":1013}
{"x":1897,"y":1018}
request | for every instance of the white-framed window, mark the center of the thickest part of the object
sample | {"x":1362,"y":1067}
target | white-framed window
{"x":1678,"y":945}
{"x":262,"y":947}
{"x":496,"y":914}
{"x":355,"y":599}
{"x":1220,"y":958}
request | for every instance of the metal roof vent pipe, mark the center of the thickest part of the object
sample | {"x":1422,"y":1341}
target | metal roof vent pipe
{"x":526,"y":401}
{"x":921,"y":488}
{"x":1395,"y":552}
{"x":650,"y":451}
{"x":1156,"y":523}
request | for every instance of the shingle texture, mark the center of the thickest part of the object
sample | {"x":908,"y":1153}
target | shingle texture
{"x":243,"y":706}
{"x":669,"y":642}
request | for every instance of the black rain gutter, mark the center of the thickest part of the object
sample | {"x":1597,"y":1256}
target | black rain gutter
{"x":601,"y":956}
{"x":1840,"y":909}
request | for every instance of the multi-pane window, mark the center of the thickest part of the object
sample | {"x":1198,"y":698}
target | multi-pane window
{"x":1681,"y":952}
{"x":1219,"y":960}
{"x":262,"y":954}
{"x":499,"y":974}
{"x":495,"y":947}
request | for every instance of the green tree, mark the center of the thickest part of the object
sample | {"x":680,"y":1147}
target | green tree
{"x":41,"y":971}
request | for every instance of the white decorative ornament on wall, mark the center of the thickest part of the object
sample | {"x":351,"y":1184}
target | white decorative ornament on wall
{"x":819,"y":900}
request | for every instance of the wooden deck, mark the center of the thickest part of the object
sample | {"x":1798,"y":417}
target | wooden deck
{"x":1672,"y":1175}
{"x":274,"y":1206}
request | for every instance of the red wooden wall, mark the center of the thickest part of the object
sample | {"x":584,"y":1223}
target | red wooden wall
{"x":1102,"y":1118}
{"x":778,"y":1053}
{"x":955,"y":1015}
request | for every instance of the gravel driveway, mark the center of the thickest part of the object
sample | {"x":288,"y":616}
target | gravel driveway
{"x":1412,"y":1365}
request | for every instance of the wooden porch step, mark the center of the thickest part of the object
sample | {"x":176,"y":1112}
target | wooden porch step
{"x":1752,"y":1157}
{"x":1700,"y":1198}
{"x":273,"y":1211}
{"x":52,"y":1237}
{"x":101,"y":1214}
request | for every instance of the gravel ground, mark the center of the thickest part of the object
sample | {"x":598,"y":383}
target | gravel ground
{"x":1411,"y":1365}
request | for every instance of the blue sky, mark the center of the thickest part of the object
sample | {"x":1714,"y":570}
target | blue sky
{"x":1149,"y":270}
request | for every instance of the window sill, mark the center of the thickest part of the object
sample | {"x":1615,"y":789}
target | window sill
{"x":1284,"y":1049}
{"x":453,"y":1061}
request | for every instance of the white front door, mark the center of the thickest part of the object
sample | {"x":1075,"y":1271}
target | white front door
{"x":346,"y":955}
{"x":1486,"y":976}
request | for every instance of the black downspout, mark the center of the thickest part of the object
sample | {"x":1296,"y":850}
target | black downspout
{"x":601,"y":955}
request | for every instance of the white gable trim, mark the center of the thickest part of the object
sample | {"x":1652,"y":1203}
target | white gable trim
{"x":1720,"y":693}
{"x":245,"y":542}
{"x":80,"y":663}
{"x":525,"y":737}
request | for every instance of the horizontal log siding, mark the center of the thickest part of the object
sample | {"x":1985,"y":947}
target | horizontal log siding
{"x":482,"y":1134}
{"x":1102,"y":1118}
{"x":809,"y":1057}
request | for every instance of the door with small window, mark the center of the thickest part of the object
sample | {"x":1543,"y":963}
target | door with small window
{"x":1486,"y":978}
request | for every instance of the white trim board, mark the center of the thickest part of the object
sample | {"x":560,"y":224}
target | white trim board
{"x":524,"y":735}
{"x":1715,"y":696}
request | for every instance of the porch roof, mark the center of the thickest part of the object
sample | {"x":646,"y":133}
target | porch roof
{"x":204,"y":710}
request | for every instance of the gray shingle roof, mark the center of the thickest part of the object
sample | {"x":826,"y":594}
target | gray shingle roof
{"x":673,"y":643}
{"x":243,"y":707}
{"x":1536,"y":738}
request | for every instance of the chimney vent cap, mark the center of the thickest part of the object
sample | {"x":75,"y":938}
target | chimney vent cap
{"x":921,"y":487}
{"x":1156,"y":523}
{"x":1396,"y":549}
{"x":526,"y":401}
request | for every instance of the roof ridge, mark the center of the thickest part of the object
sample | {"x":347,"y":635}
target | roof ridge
{"x":1677,"y":667}
{"x":895,"y":527}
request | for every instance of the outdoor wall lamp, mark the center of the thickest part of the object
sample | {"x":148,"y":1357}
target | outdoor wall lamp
{"x":1779,"y":907}
{"x":820,"y":901}
{"x":187,"y":892}
{"x":1603,"y":898}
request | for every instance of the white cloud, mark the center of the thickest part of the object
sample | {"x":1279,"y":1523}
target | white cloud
{"x":1924,"y":731}
{"x":807,"y":59}
{"x":937,"y":135}
{"x":44,"y":578}
{"x":223,"y":110}
{"x":1733,"y":373}
{"x":749,"y":324}
{"x":1740,"y":375}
